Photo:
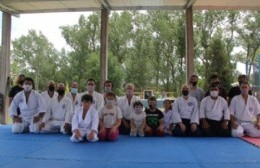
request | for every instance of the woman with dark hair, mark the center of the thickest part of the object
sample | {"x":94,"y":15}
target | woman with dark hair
{"x":17,"y":88}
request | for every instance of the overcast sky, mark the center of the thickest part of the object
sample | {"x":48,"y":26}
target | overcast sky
{"x":49,"y":23}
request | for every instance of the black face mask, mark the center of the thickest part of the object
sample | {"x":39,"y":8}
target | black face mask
{"x":217,"y":82}
{"x":20,"y":82}
{"x":194,"y":83}
{"x":185,"y":92}
{"x":151,"y":107}
{"x":61,"y":92}
{"x":51,"y":88}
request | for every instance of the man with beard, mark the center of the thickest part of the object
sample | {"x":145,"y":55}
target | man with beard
{"x":234,"y":91}
{"x":214,"y":114}
{"x":154,"y":119}
{"x":59,"y":114}
{"x":49,"y":94}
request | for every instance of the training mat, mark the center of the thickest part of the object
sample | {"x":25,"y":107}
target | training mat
{"x":253,"y":141}
{"x":56,"y":150}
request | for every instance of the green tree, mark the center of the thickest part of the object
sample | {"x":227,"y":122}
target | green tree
{"x":220,"y":61}
{"x":120,"y":33}
{"x":249,"y":36}
{"x":83,"y":60}
{"x":36,"y":57}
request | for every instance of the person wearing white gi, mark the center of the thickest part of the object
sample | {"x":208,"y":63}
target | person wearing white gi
{"x":85,"y":121}
{"x":137,"y":120}
{"x":214,"y":114}
{"x":186,"y":114}
{"x":73,"y":95}
{"x":125,"y":103}
{"x":59,"y":114}
{"x":168,"y":117}
{"x":49,"y":94}
{"x":31,"y":107}
{"x":98,"y":100}
{"x":245,"y":114}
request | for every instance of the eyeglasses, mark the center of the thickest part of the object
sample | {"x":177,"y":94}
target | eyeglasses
{"x":91,"y":84}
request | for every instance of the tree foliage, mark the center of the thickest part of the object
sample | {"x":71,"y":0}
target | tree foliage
{"x":145,"y":48}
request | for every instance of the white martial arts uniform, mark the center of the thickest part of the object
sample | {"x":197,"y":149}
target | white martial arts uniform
{"x":125,"y":107}
{"x":185,"y":109}
{"x":245,"y":114}
{"x":58,"y":113}
{"x":86,"y":125}
{"x":167,"y":121}
{"x":47,"y":99}
{"x":29,"y":110}
{"x":216,"y":110}
{"x":98,"y":100}
{"x":76,"y":101}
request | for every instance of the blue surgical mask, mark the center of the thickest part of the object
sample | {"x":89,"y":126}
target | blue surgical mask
{"x":73,"y":90}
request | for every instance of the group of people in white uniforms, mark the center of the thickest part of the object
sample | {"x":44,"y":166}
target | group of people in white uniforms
{"x":45,"y":113}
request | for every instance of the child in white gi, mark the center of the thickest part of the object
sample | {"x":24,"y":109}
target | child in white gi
{"x":137,"y":120}
{"x":85,"y":121}
{"x":244,"y":110}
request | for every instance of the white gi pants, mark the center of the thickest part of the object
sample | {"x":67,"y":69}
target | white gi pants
{"x":83,"y":135}
{"x":247,"y":128}
{"x":25,"y":126}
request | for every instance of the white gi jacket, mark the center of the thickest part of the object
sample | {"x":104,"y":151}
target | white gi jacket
{"x":125,"y":107}
{"x":214,"y":109}
{"x":244,"y":112}
{"x":186,"y":109}
{"x":29,"y":110}
{"x":90,"y":122}
{"x":59,"y":110}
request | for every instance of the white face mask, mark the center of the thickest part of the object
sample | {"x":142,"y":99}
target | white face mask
{"x":138,"y":110}
{"x":129,"y":92}
{"x":108,"y":89}
{"x":90,"y":88}
{"x":213,"y":93}
{"x":27,"y":88}
{"x":109,"y":102}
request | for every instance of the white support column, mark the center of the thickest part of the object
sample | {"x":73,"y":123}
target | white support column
{"x":5,"y":64}
{"x":189,"y":44}
{"x":103,"y":47}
